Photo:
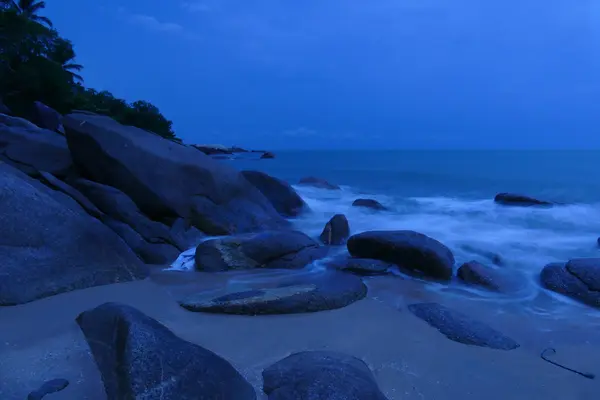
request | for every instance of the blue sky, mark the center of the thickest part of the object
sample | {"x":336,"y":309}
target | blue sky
{"x":350,"y":73}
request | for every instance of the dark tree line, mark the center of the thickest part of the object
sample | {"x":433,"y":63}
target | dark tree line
{"x":36,"y":64}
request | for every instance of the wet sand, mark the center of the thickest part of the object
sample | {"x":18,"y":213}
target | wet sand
{"x":40,"y":341}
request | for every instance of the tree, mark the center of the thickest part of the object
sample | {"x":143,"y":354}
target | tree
{"x":63,"y":54}
{"x":28,"y":9}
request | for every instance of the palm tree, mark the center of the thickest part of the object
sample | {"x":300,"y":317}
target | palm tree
{"x":28,"y":9}
{"x":63,"y":54}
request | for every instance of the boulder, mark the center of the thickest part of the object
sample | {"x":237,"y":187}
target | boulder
{"x":30,"y":148}
{"x":336,"y":231}
{"x":267,"y":155}
{"x":168,"y":180}
{"x":369,"y":203}
{"x":475,"y":273}
{"x":50,"y":180}
{"x":318,"y":183}
{"x":139,"y":358}
{"x":315,"y":292}
{"x":511,"y":199}
{"x":461,"y":328}
{"x":254,"y":250}
{"x":184,"y":234}
{"x":315,"y":375}
{"x":281,"y":195}
{"x":360,"y":266}
{"x":50,"y":245}
{"x":411,"y":251}
{"x":578,"y":279}
{"x":47,"y":118}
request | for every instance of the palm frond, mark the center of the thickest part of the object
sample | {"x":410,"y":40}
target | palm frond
{"x":39,"y":18}
{"x":76,"y":77}
{"x":72,"y":67}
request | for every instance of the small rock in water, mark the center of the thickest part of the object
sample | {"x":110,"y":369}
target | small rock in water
{"x":336,"y":231}
{"x":52,"y":386}
{"x":476,"y":273}
{"x":318,"y":182}
{"x":267,"y":155}
{"x":461,"y":328}
{"x":369,"y":203}
{"x":360,"y":266}
{"x":511,"y":199}
{"x":490,"y":255}
{"x":578,"y":279}
{"x":320,"y":375}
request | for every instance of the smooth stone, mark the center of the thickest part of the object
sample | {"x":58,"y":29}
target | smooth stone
{"x":460,"y":328}
{"x":587,"y":270}
{"x":511,"y":199}
{"x":369,"y":203}
{"x":475,"y":273}
{"x":280,"y":193}
{"x":318,"y":183}
{"x":559,"y":278}
{"x":411,"y":251}
{"x":140,"y":358}
{"x":317,"y":292}
{"x":52,"y":386}
{"x":360,"y":266}
{"x":320,"y":375}
{"x":336,"y":231}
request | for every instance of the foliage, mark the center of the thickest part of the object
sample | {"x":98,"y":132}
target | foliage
{"x":37,"y":64}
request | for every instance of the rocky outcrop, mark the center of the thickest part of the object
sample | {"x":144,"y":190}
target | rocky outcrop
{"x":168,"y":180}
{"x":475,"y":273}
{"x":49,"y":245}
{"x":318,"y":183}
{"x":56,"y":184}
{"x":47,"y":118}
{"x":214,"y":149}
{"x":267,"y":155}
{"x":336,"y":231}
{"x":578,"y":279}
{"x":269,"y":249}
{"x":360,"y":266}
{"x":313,"y":375}
{"x":461,"y":328}
{"x":139,"y":358}
{"x":369,"y":203}
{"x":511,"y":199}
{"x":413,"y":252}
{"x":32,"y":149}
{"x":316,"y":292}
{"x":280,"y":193}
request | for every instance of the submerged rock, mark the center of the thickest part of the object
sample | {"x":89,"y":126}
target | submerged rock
{"x":318,"y":183}
{"x":478,"y":274}
{"x":52,"y":386}
{"x":280,"y":193}
{"x":495,"y":258}
{"x":336,"y":231}
{"x":578,"y":279}
{"x":369,"y":203}
{"x":360,"y":266}
{"x":411,"y":251}
{"x":461,"y":328}
{"x":316,"y":375}
{"x":511,"y":199}
{"x":139,"y":358}
{"x":316,"y":292}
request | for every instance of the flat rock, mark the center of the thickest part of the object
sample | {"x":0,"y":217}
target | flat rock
{"x":561,"y":278}
{"x":336,"y":231}
{"x":269,"y":249}
{"x":369,"y":203}
{"x":280,"y":193}
{"x":52,"y":386}
{"x":50,"y":245}
{"x":360,"y":266}
{"x":316,"y":292}
{"x":511,"y":199}
{"x":460,"y":328}
{"x":320,"y":375}
{"x":139,"y":358}
{"x":475,"y":273}
{"x":411,"y":251}
{"x":166,"y":179}
{"x":318,"y":183}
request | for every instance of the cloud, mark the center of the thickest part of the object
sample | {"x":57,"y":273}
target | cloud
{"x":154,"y":24}
{"x":195,"y":6}
{"x":299,"y":132}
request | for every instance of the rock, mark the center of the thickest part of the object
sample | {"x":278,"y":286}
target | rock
{"x":360,"y":266}
{"x":316,"y":292}
{"x":150,"y":253}
{"x":254,"y":250}
{"x":185,"y":235}
{"x":318,"y":183}
{"x":478,"y":274}
{"x":281,"y":195}
{"x":235,"y":149}
{"x":89,"y":207}
{"x":47,"y":118}
{"x":139,"y":358}
{"x":510,"y":199}
{"x":299,"y":259}
{"x":369,"y":203}
{"x":490,"y":255}
{"x":267,"y":155}
{"x":210,"y":150}
{"x":461,"y":328}
{"x":52,"y":386}
{"x":49,"y":245}
{"x":166,"y":179}
{"x":336,"y":231}
{"x":411,"y":251}
{"x":31,"y":149}
{"x":578,"y":279}
{"x":315,"y":375}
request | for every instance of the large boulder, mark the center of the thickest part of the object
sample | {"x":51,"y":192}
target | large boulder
{"x":369,"y":203}
{"x":318,"y":183}
{"x":511,"y":199}
{"x":269,"y":249}
{"x":46,"y":117}
{"x":475,"y":273}
{"x":411,"y":251}
{"x":50,"y":245}
{"x":51,"y":181}
{"x":166,"y":179}
{"x":578,"y":279}
{"x":280,"y":193}
{"x":31,"y":149}
{"x":336,"y":231}
{"x":315,"y":292}
{"x":139,"y":358}
{"x":315,"y":375}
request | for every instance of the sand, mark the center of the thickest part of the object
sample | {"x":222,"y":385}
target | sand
{"x":40,"y":341}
